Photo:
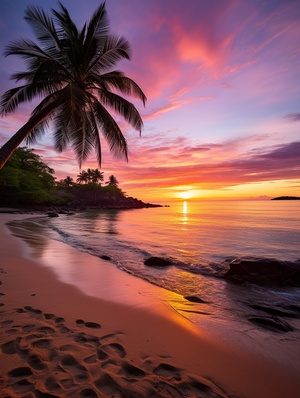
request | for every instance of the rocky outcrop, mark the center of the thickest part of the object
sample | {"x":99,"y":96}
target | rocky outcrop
{"x":265,"y":272}
{"x":157,"y":262}
{"x":97,"y":199}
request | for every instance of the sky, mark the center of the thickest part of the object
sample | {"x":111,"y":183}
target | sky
{"x":222,"y":80}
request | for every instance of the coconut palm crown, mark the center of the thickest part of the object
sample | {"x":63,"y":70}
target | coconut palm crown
{"x":71,"y":71}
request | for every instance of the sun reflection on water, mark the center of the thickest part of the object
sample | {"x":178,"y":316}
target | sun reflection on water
{"x":185,"y":213}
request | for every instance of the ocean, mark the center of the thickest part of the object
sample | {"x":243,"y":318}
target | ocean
{"x":200,"y":238}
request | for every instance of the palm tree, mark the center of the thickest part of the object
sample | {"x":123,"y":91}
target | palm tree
{"x":112,"y":181}
{"x":89,"y":175}
{"x":72,"y":72}
{"x":82,"y":177}
{"x":97,"y":176}
{"x":68,"y":181}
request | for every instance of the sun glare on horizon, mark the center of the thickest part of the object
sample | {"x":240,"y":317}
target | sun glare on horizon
{"x":185,"y":195}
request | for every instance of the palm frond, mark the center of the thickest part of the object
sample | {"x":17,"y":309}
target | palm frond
{"x":125,"y":85}
{"x":96,"y":134}
{"x":68,"y":29}
{"x":111,"y":131}
{"x":61,"y":123}
{"x":25,"y":48}
{"x":82,"y":140}
{"x":41,"y":24}
{"x":11,"y":99}
{"x":98,"y":27}
{"x":114,"y":50}
{"x":123,"y":107}
{"x":37,"y":132}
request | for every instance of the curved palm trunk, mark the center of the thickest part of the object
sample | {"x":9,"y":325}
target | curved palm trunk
{"x":12,"y":144}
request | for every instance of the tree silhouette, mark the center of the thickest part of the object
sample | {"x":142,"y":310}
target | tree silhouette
{"x":71,"y":70}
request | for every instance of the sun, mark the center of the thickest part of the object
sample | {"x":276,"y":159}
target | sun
{"x":185,"y":195}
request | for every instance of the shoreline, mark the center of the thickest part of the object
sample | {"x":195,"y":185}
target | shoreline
{"x":145,"y":340}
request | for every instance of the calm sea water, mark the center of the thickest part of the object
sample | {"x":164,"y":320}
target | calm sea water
{"x":199,"y":237}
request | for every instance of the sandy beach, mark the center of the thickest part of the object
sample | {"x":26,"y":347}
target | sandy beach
{"x":123,"y":340}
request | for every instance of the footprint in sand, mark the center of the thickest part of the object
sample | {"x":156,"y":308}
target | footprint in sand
{"x":90,"y":359}
{"x":87,"y":340}
{"x":28,"y":328}
{"x":46,"y":330}
{"x":35,"y":362}
{"x":106,"y":384}
{"x":59,"y":319}
{"x":91,"y":325}
{"x":88,"y":393}
{"x":70,"y":364}
{"x":115,"y":348}
{"x":6,"y":323}
{"x":67,"y":347}
{"x":167,"y":371}
{"x":102,"y":355}
{"x":51,"y":384}
{"x":49,"y":316}
{"x":29,"y":309}
{"x":11,"y":347}
{"x":131,"y":372}
{"x":63,"y":329}
{"x":11,"y":331}
{"x":67,"y":383}
{"x":111,"y":336}
{"x":23,"y":386}
{"x":42,"y":343}
{"x":23,"y":371}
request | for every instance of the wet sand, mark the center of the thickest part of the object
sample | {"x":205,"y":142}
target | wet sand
{"x":123,"y":340}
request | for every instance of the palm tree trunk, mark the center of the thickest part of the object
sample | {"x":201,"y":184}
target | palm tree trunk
{"x":12,"y":144}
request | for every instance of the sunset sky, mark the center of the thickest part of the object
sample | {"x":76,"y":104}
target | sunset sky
{"x":222,"y":78}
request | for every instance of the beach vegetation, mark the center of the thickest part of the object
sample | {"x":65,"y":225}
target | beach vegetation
{"x":72,"y":70}
{"x":26,"y":179}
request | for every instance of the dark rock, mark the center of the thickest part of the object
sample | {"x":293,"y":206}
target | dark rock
{"x":264,"y":272}
{"x":53,"y":214}
{"x":107,"y":258}
{"x":157,"y":262}
{"x":194,"y":299}
{"x":271,"y":323}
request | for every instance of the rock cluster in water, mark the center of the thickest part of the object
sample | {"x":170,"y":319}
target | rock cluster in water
{"x":157,"y":262}
{"x":264,"y":272}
